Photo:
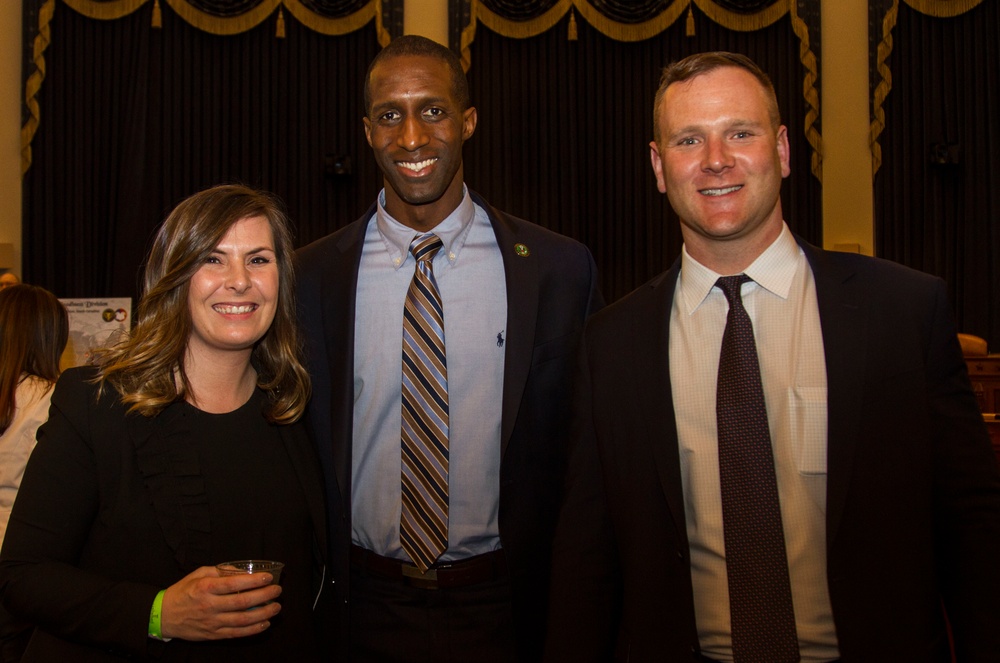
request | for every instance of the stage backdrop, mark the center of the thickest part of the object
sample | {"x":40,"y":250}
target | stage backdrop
{"x":134,"y":104}
{"x":935,"y":77}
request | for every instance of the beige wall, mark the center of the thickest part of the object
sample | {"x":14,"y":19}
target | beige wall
{"x":428,"y":18}
{"x":10,"y":132}
{"x":847,"y":179}
{"x":847,"y":191}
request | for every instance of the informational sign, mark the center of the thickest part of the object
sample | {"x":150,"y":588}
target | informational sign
{"x":94,"y":323}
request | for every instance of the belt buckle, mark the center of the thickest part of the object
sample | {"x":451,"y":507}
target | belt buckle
{"x":427,"y":580}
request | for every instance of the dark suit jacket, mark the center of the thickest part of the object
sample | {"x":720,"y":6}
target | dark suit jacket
{"x":913,"y":498}
{"x":110,"y":512}
{"x":549,"y":296}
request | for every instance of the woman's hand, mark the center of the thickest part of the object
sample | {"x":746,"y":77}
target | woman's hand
{"x":205,"y":606}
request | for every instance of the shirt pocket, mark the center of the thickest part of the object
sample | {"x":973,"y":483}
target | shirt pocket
{"x":807,"y":407}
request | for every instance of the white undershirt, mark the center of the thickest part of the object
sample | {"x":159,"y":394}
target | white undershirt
{"x":31,"y":410}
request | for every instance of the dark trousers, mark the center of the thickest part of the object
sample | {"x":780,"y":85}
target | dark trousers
{"x":391,"y":621}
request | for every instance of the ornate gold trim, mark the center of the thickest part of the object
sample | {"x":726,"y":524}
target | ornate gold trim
{"x":936,"y":8}
{"x":116,"y":9}
{"x":943,"y":8}
{"x":883,"y":87}
{"x":105,"y":11}
{"x":381,"y":32}
{"x":622,"y":31}
{"x":810,"y":93}
{"x":232,"y":25}
{"x":631,"y":31}
{"x":519,"y":29}
{"x":606,"y":26}
{"x":335,"y":26}
{"x":647,"y":30}
{"x":34,"y":83}
{"x":241,"y":23}
{"x":468,"y":36}
{"x":744,"y":22}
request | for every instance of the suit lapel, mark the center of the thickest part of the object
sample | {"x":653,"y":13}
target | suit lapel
{"x":521,"y":278}
{"x":339,"y":296}
{"x":649,"y":353}
{"x":844,"y":320}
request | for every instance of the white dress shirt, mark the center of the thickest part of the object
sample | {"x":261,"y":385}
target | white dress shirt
{"x":781,"y":302}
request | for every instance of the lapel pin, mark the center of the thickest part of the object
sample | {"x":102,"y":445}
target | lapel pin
{"x":521,"y":250}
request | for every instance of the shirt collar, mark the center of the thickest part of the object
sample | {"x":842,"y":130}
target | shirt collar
{"x":453,"y":230}
{"x":773,"y":270}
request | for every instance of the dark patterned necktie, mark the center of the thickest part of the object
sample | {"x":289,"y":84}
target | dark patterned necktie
{"x":423,"y":525}
{"x":760,"y":594}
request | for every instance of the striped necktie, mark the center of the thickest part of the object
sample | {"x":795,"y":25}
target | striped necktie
{"x":423,"y":526}
{"x":760,"y":594}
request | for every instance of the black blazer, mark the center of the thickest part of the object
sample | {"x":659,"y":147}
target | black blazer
{"x":913,"y":496}
{"x":550,"y":293}
{"x":109,"y":514}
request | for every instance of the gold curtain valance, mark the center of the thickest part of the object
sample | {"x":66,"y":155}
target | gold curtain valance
{"x":626,"y":31}
{"x":105,"y":11}
{"x":251,"y":18}
{"x":229,"y":25}
{"x":650,"y":28}
{"x":936,"y":8}
{"x":34,"y":82}
{"x":942,"y":8}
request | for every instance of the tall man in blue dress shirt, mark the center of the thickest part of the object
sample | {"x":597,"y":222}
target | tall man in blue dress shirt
{"x":515,"y":298}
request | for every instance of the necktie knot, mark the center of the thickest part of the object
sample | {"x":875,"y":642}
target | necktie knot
{"x":730,"y":286}
{"x":425,"y":247}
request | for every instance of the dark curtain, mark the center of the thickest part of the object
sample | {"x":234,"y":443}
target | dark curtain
{"x":564,"y":131}
{"x":134,"y":119}
{"x":937,"y":193}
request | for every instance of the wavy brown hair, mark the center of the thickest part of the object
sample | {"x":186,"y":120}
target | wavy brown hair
{"x":34,"y":328}
{"x":147,"y":368}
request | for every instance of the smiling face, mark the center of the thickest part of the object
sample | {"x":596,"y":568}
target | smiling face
{"x":416,"y":126}
{"x":233,"y":296}
{"x":720,"y":160}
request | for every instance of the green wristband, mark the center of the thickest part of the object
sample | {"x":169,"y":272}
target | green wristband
{"x":154,"y":616}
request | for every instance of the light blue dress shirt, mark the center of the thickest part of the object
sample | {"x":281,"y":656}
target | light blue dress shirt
{"x":470,"y":275}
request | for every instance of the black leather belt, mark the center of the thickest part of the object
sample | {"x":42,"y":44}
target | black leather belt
{"x":444,"y":575}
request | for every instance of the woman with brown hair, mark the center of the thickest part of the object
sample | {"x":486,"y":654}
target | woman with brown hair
{"x":33,"y":332}
{"x":180,"y":450}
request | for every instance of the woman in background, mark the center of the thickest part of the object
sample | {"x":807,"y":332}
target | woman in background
{"x":33,"y":332}
{"x":34,"y":328}
{"x":180,"y":450}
